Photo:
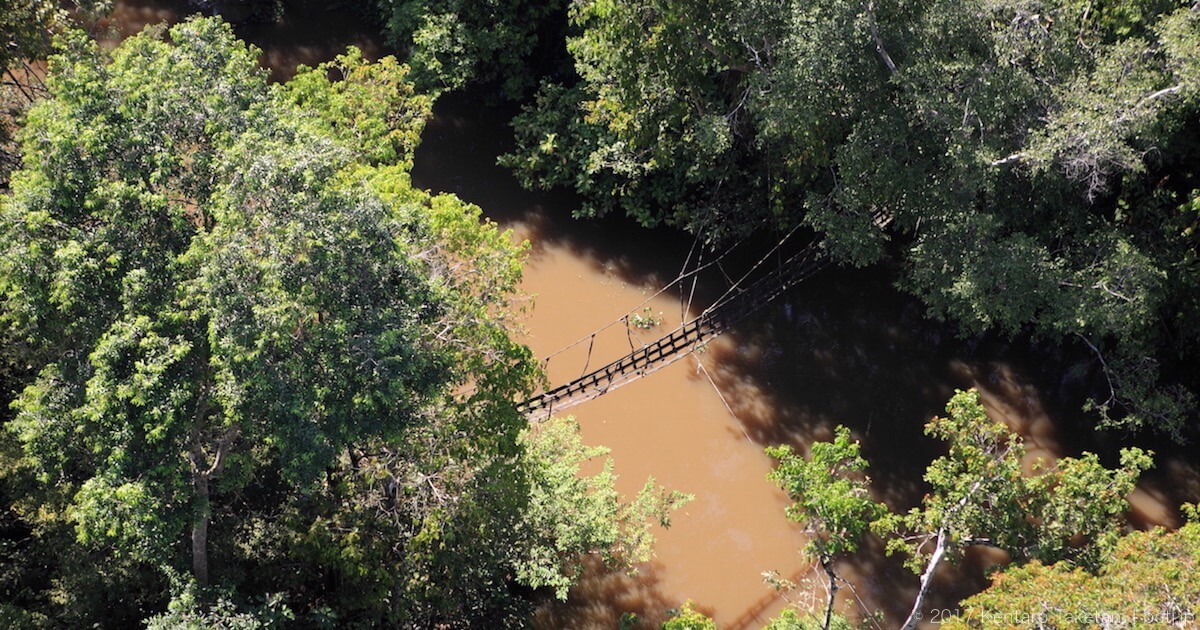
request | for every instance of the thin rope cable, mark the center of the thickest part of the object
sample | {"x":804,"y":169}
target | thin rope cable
{"x":725,"y":273}
{"x":687,"y":308}
{"x":686,"y":262}
{"x":861,"y":604}
{"x":641,"y":343}
{"x":758,"y":264}
{"x":728,"y":293}
{"x":588,"y":363}
{"x":635,"y":309}
{"x":733,"y":415}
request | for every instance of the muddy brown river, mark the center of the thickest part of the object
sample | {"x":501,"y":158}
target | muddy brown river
{"x":842,"y":348}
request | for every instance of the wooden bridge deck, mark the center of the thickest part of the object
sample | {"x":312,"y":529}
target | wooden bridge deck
{"x":678,"y":343}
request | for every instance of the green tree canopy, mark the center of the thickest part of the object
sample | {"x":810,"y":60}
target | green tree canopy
{"x":26,"y":27}
{"x":451,"y":44}
{"x":832,"y":501}
{"x":1149,"y":581}
{"x":265,"y":360}
{"x":569,"y":513}
{"x":978,"y":496}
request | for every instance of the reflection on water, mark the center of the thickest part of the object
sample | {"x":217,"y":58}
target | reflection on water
{"x":843,"y":348}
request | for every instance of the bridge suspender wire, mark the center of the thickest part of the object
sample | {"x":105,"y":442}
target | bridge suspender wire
{"x":730,"y":291}
{"x":684,"y":308}
{"x":624,"y":319}
{"x":700,"y":368}
{"x":588,"y":362}
{"x":679,"y":343}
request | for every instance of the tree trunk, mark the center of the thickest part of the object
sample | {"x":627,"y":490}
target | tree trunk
{"x":827,"y":564}
{"x":926,"y":579}
{"x":879,"y":49}
{"x":202,"y":474}
{"x":200,"y":530}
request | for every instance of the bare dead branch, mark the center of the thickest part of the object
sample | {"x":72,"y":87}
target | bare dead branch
{"x":1174,"y":89}
{"x":1015,"y":157}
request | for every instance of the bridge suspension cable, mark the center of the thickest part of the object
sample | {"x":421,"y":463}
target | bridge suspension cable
{"x":734,"y":286}
{"x":680,"y":342}
{"x":624,"y":319}
{"x":729,"y":309}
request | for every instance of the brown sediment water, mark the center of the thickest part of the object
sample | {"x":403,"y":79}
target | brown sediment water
{"x":672,"y":426}
{"x":842,"y":348}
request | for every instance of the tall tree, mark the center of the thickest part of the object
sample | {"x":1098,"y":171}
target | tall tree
{"x":183,"y":264}
{"x":451,"y":44}
{"x":979,"y":496}
{"x":258,"y":348}
{"x":1148,"y":581}
{"x":570,"y":514}
{"x":26,"y":27}
{"x":832,"y":501}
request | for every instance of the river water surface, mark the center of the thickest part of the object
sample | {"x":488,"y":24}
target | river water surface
{"x":843,"y":348}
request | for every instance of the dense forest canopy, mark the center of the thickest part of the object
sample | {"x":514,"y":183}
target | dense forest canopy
{"x":455,"y":43}
{"x":258,"y":379}
{"x":248,"y":340}
{"x":1149,"y":580}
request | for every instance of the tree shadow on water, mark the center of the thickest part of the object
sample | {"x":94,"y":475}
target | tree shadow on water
{"x":604,"y":596}
{"x":844,"y":347}
{"x":288,"y":32}
{"x":458,"y":155}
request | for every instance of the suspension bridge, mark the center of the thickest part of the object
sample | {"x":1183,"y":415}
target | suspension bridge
{"x":732,"y":308}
